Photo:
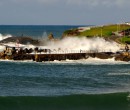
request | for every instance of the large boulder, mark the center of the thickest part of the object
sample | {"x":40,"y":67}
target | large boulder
{"x":21,"y":40}
{"x":122,"y":57}
{"x":50,"y":36}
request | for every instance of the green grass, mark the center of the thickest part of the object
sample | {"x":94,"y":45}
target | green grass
{"x":102,"y":31}
{"x":105,"y":30}
{"x":125,"y":39}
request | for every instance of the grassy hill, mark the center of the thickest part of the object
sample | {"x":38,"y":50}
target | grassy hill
{"x":106,"y":31}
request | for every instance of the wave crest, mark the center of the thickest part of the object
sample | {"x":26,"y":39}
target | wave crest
{"x":2,"y":37}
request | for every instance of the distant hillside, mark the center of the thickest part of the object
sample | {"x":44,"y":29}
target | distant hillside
{"x":117,"y":32}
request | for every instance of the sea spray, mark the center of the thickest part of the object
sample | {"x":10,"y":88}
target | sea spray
{"x":88,"y":44}
{"x":2,"y":37}
{"x":43,"y":40}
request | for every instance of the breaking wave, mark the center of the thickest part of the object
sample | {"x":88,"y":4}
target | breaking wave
{"x":89,"y":44}
{"x":2,"y":37}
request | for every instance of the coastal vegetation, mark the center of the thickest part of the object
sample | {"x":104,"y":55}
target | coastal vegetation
{"x":118,"y":32}
{"x":106,"y":30}
{"x":125,"y":39}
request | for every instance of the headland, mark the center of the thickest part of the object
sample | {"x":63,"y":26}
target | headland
{"x":73,"y":45}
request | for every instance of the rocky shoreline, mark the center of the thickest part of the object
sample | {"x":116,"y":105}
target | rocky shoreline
{"x":21,"y":39}
{"x":39,"y":55}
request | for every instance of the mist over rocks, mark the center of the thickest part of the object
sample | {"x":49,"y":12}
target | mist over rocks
{"x":83,"y":43}
{"x":67,"y":44}
{"x":94,"y":47}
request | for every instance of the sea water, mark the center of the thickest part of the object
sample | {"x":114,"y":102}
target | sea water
{"x":35,"y":30}
{"x":86,"y":84}
{"x":91,"y":84}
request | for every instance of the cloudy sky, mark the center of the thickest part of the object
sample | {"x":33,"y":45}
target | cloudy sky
{"x":64,"y":12}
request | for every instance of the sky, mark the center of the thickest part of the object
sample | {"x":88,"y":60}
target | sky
{"x":64,"y":12}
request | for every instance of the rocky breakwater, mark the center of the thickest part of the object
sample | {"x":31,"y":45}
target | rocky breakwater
{"x":23,"y":53}
{"x":11,"y":53}
{"x":124,"y":56}
{"x":15,"y":48}
{"x":101,"y":55}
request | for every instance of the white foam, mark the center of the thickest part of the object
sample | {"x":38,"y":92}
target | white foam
{"x":119,"y":74}
{"x":84,"y":44}
{"x":18,"y":61}
{"x":89,"y":61}
{"x":2,"y":37}
{"x":2,"y":48}
{"x":13,"y":44}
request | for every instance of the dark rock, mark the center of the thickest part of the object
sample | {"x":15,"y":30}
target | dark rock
{"x":121,"y":57}
{"x":21,"y":40}
{"x":101,"y":55}
{"x":51,"y":37}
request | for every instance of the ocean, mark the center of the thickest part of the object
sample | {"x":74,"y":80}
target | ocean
{"x":35,"y":31}
{"x":86,"y":84}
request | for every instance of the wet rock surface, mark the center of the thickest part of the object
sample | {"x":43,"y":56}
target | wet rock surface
{"x":21,"y":40}
{"x":123,"y":57}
